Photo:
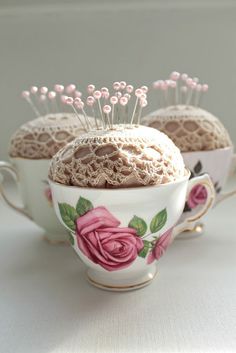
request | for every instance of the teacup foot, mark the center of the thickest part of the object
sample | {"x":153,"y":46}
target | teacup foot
{"x":120,"y":285}
{"x":51,"y":241}
{"x":194,"y":233}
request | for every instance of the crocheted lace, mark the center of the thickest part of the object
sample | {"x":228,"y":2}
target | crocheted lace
{"x":128,"y":155}
{"x":41,"y":138}
{"x":190,"y":128}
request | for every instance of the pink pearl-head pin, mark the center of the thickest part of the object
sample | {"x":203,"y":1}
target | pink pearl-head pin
{"x":172,"y":83}
{"x":156,"y":84}
{"x":184,"y":77}
{"x":189,"y":81}
{"x":63,"y":99}
{"x":90,"y":89}
{"x":116,"y":86}
{"x":34,"y":89}
{"x":122,"y":84}
{"x":163,"y":86}
{"x":90,"y":101}
{"x":77,"y":94}
{"x":184,"y":89}
{"x":79,"y":105}
{"x":105,"y":92}
{"x":193,"y":85}
{"x":143,"y":103}
{"x":114,"y":100}
{"x":107,"y":109}
{"x":174,"y":75}
{"x":144,"y":89}
{"x":143,"y":96}
{"x":129,"y":88}
{"x":199,"y":87}
{"x":127,"y":95}
{"x":97,"y":94}
{"x":104,"y":89}
{"x":138,"y":92}
{"x":77,"y":100}
{"x":119,"y":95}
{"x":44,"y":90}
{"x":52,"y":95}
{"x":58,"y":88}
{"x":69,"y":100}
{"x":25,"y":94}
{"x":43,"y":97}
{"x":205,"y":87}
{"x":106,"y":95}
{"x":70,"y":88}
{"x":123,"y":101}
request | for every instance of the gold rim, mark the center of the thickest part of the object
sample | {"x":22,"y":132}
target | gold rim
{"x":133,"y":286}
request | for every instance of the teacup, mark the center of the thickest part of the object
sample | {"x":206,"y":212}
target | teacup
{"x":218,"y":164}
{"x":31,"y":178}
{"x":120,"y":234}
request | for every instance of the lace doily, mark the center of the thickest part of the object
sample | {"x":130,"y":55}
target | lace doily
{"x":190,"y":128}
{"x":41,"y":138}
{"x":126,"y":156}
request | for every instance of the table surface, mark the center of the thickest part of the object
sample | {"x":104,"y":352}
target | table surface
{"x":46,"y":304}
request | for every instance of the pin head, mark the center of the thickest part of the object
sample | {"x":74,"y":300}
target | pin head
{"x":107,"y":109}
{"x":25,"y":94}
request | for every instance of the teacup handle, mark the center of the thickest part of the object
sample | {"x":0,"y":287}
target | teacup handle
{"x":8,"y":167}
{"x":225,"y":195}
{"x":189,"y":222}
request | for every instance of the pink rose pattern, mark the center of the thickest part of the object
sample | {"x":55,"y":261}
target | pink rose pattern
{"x":197,"y":196}
{"x":102,"y":240}
{"x":48,"y":194}
{"x":160,"y":246}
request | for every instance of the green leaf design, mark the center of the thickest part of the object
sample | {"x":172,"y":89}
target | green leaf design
{"x":83,"y":206}
{"x":71,"y":239}
{"x":68,"y":215}
{"x":198,"y":167}
{"x":145,"y":249}
{"x":139,"y":225}
{"x":158,"y":221}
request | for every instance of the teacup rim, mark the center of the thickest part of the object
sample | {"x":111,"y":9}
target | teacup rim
{"x":210,"y":151}
{"x":184,"y":178}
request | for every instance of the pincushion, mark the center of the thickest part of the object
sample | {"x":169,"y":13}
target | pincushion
{"x":42,"y":137}
{"x":190,"y":128}
{"x":124,"y":156}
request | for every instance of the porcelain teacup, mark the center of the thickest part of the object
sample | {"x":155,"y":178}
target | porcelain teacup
{"x":31,"y":178}
{"x":120,"y":234}
{"x":218,"y":164}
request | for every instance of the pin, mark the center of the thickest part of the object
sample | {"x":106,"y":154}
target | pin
{"x":26,"y":96}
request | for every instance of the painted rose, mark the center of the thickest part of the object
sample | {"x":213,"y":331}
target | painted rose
{"x":160,"y":247}
{"x":101,"y":239}
{"x":197,"y":196}
{"x":48,"y":194}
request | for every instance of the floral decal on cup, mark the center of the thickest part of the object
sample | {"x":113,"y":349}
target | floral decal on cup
{"x":101,"y":239}
{"x":198,"y":195}
{"x":48,"y":192}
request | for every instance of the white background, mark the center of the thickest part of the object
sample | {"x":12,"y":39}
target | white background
{"x":44,"y":42}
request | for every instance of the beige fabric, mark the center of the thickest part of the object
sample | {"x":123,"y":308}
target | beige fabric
{"x":41,"y":138}
{"x":126,"y":156}
{"x":190,"y":128}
